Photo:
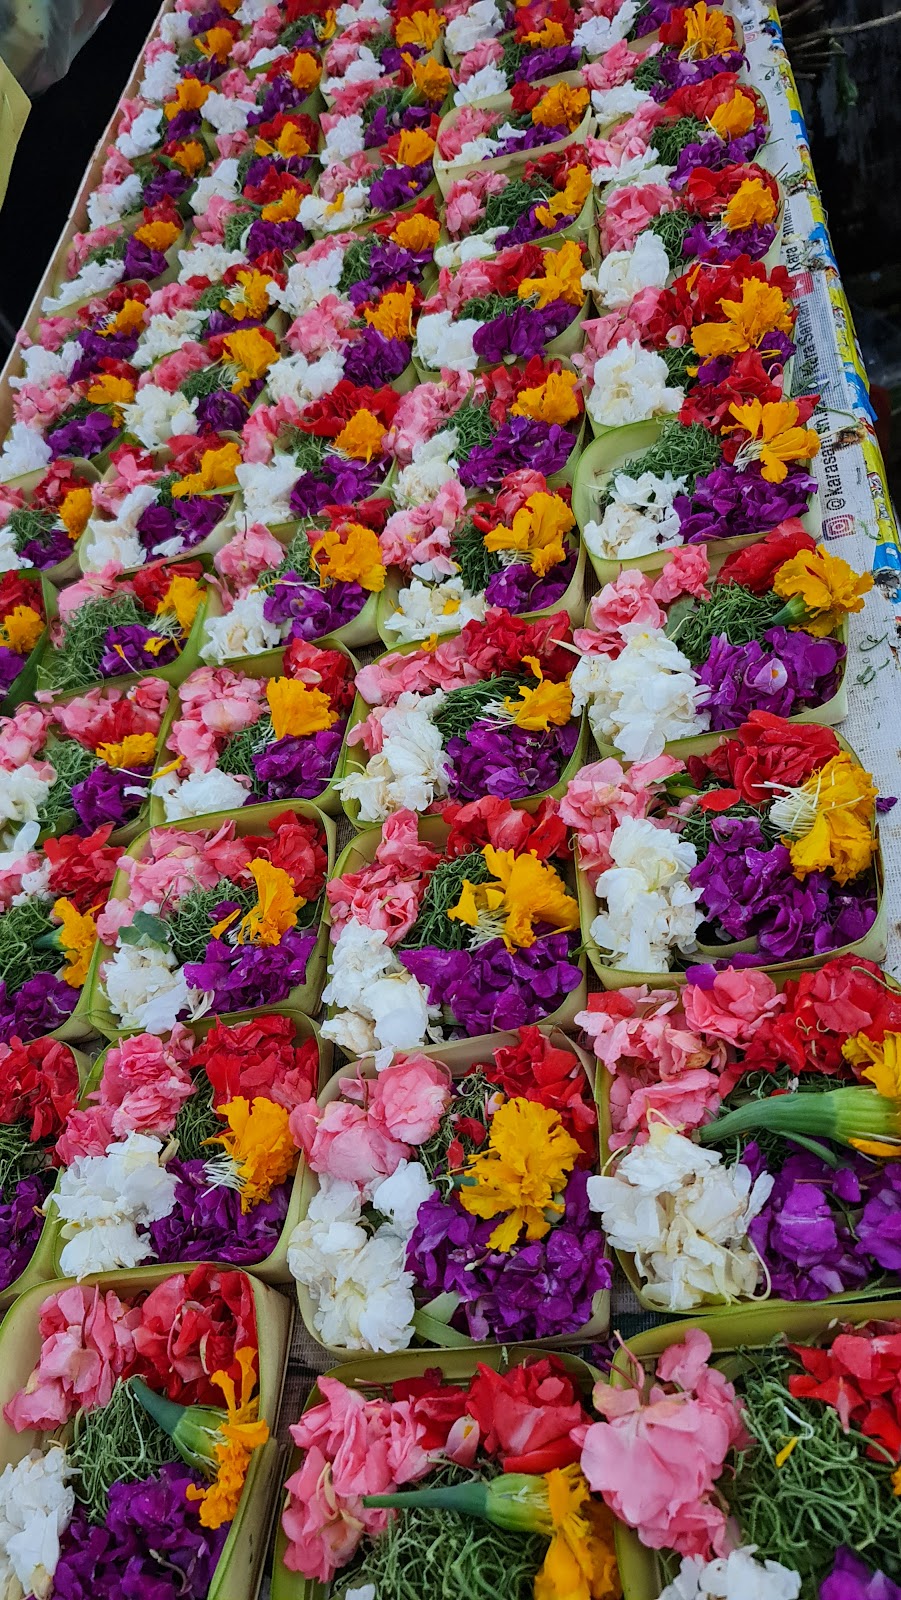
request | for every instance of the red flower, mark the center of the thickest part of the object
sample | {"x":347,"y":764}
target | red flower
{"x":113,"y":721}
{"x":424,"y":207}
{"x":491,"y":820}
{"x":702,"y":99}
{"x":707,"y":193}
{"x":767,"y":750}
{"x":848,"y":995}
{"x":259,"y":1058}
{"x":756,"y":566}
{"x":16,"y":590}
{"x":534,"y":1069}
{"x":328,"y":416}
{"x":39,"y":1084}
{"x":298,"y":848}
{"x":82,"y":869}
{"x":524,"y":97}
{"x":372,"y":513}
{"x":527,"y":1415}
{"x":191,"y":1326}
{"x":327,"y":670}
{"x":188,"y":449}
{"x":709,"y":403}
{"x":696,"y":295}
{"x":150,"y":583}
{"x":859,"y":1375}
{"x":436,"y":1405}
{"x":502,"y":641}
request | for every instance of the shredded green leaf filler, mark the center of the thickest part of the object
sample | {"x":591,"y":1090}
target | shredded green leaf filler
{"x":19,"y":1156}
{"x":192,"y":923}
{"x":308,"y":451}
{"x":237,"y":757}
{"x":20,"y":954}
{"x":505,"y":209}
{"x":477,"y":564}
{"x":671,"y":228}
{"x":472,"y":1094}
{"x":197,"y":385}
{"x":72,"y":762}
{"x":116,"y":1443}
{"x":355,"y":265}
{"x":465,"y":706}
{"x":648,"y":72}
{"x":196,"y":1122}
{"x":698,"y":825}
{"x":77,"y":661}
{"x":670,"y":139}
{"x":488,"y":306}
{"x":433,"y":925}
{"x":26,"y":524}
{"x":685,"y":452}
{"x":824,"y":1493}
{"x":446,"y":1557}
{"x":731,"y":610}
{"x":473,"y":426}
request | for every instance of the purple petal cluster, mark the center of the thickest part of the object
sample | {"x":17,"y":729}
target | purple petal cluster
{"x":222,"y":411}
{"x":544,"y":63}
{"x":42,"y":1004}
{"x":166,"y":184}
{"x":21,"y":1223}
{"x":384,"y":123}
{"x":507,"y":761}
{"x":676,"y":73}
{"x":802,"y":1233}
{"x":313,"y":612}
{"x":518,"y":588}
{"x":340,"y":482}
{"x":242,"y":977}
{"x":519,"y":442}
{"x":151,"y":1545}
{"x":48,"y":549}
{"x":298,"y":768}
{"x":189,"y":519}
{"x":110,"y":794}
{"x":126,"y":650}
{"x":96,"y":347}
{"x":142,"y":261}
{"x":716,"y":153}
{"x":726,"y":502}
{"x":706,"y":242}
{"x":491,"y":989}
{"x":397,"y":186}
{"x":389,"y":264}
{"x":85,"y":436}
{"x":207,"y":1223}
{"x":852,"y":1579}
{"x":11,"y":665}
{"x":796,"y":670}
{"x":375,"y":360}
{"x":522,"y":333}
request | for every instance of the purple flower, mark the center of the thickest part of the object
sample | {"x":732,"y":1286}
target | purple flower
{"x":524,"y":332}
{"x":298,"y":768}
{"x":190,"y":519}
{"x":86,"y":436}
{"x":126,"y":650}
{"x":518,"y":588}
{"x":21,"y":1223}
{"x":384,"y":123}
{"x":726,"y":502}
{"x":281,"y":97}
{"x":507,"y":761}
{"x":676,"y":73}
{"x":743,"y":678}
{"x":852,"y":1579}
{"x":96,"y":347}
{"x":389,"y":264}
{"x":313,"y":612}
{"x":242,"y":977}
{"x":375,"y":360}
{"x":207,"y":1223}
{"x":528,"y":228}
{"x":520,"y":442}
{"x":265,"y":236}
{"x":110,"y":794}
{"x":168,"y":183}
{"x":397,"y":186}
{"x":47,"y":550}
{"x":706,"y":242}
{"x":141,"y":261}
{"x":222,"y":411}
{"x":802,"y":1233}
{"x":879,"y":1228}
{"x":183,"y":124}
{"x":337,"y":482}
{"x":11,"y":665}
{"x":717,"y":153}
{"x":151,"y":1545}
{"x":544,"y":63}
{"x":39,"y":1007}
{"x":491,"y":988}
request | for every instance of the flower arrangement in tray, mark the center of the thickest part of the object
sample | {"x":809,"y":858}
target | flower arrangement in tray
{"x":480,"y":427}
{"x":517,"y":553}
{"x":40,"y":1086}
{"x":22,"y":624}
{"x":501,"y":1501}
{"x":361,"y":266}
{"x":356,"y":339}
{"x":540,"y":45}
{"x":109,"y":623}
{"x":256,"y":199}
{"x":148,"y":1410}
{"x":526,"y":119}
{"x":40,"y":526}
{"x":181,"y":1149}
{"x":461,"y":1241}
{"x":213,"y":918}
{"x":373,"y":183}
{"x":238,"y":739}
{"x":206,"y":384}
{"x":488,"y":712}
{"x":674,"y":658}
{"x":117,"y":253}
{"x":318,"y":584}
{"x":485,"y":212}
{"x":765,"y":846}
{"x":334,"y":450}
{"x":507,"y":309}
{"x":99,"y":337}
{"x":158,"y":511}
{"x":762,"y":1215}
{"x":382,"y":49}
{"x":49,"y":900}
{"x":286,"y":83}
{"x":773,"y":1415}
{"x":81,"y":762}
{"x":451,"y":927}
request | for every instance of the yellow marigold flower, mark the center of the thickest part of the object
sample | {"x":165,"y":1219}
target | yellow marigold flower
{"x":183,"y":598}
{"x":761,"y":309}
{"x":883,"y":1061}
{"x":751,"y":203}
{"x":420,"y":27}
{"x":526,"y":891}
{"x":305,"y":71}
{"x":135,"y":750}
{"x":258,"y":1143}
{"x":539,"y":527}
{"x":328,"y":27}
{"x":350,"y":554}
{"x":430,"y":80}
{"x":414,"y":146}
{"x":539,"y":708}
{"x":251,"y":352}
{"x":128,"y":319}
{"x":291,"y":141}
{"x":417,"y":233}
{"x":561,"y":106}
{"x":276,"y":908}
{"x":828,"y":821}
{"x":190,"y":157}
{"x":362,"y":437}
{"x":521,"y":1173}
{"x":249,"y":295}
{"x":562,"y":278}
{"x":393,"y":316}
{"x":217,"y":468}
{"x":296,"y":709}
{"x":239,"y":1433}
{"x":108,"y":390}
{"x":284,"y":209}
{"x":708,"y":32}
{"x":190,"y":95}
{"x":734,"y":117}
{"x":158,"y":235}
{"x":21,"y":629}
{"x":215,"y":43}
{"x":77,"y":937}
{"x":74,"y":511}
{"x":551,"y":401}
{"x":821,"y":589}
{"x":570,"y":200}
{"x":775,"y":437}
{"x":551,"y":36}
{"x":581,"y":1561}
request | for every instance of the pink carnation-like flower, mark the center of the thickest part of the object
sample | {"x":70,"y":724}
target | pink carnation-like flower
{"x":686,"y":572}
{"x":177,"y":861}
{"x":422,"y":412}
{"x":735,"y":1005}
{"x":627,"y":602}
{"x":324,"y":327}
{"x":116,"y":167}
{"x":93,"y":586}
{"x":87,"y":1342}
{"x":601,"y":795}
{"x":484,"y":54}
{"x":88,"y":1132}
{"x":421,"y":534}
{"x":472,"y":123}
{"x":22,"y":735}
{"x":263,"y":426}
{"x":629,"y":210}
{"x":171,"y":297}
{"x":410,"y":1097}
{"x":215,"y":703}
{"x":616,"y":66}
{"x":174,"y":368}
{"x":146,"y":1082}
{"x":346,"y":1142}
{"x":249,"y":552}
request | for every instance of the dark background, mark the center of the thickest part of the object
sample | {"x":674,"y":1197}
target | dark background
{"x":849,"y":78}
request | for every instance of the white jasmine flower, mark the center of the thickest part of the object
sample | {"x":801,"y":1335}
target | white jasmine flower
{"x":42,"y":366}
{"x":296,"y":378}
{"x":650,"y":906}
{"x":476,"y":247}
{"x":642,"y":698}
{"x":24,"y":450}
{"x":362,"y":1294}
{"x":335,"y":216}
{"x":640,"y":517}
{"x":624,"y":273}
{"x":144,"y":134}
{"x":223,"y":180}
{"x":685,"y":1218}
{"x":175,"y":27}
{"x":482,"y":21}
{"x":411,"y":769}
{"x":205,"y":260}
{"x":433,"y":464}
{"x":736,"y":1576}
{"x":309,"y":281}
{"x":475,"y":151}
{"x":161,"y":78}
{"x":243,"y":631}
{"x":200,"y":792}
{"x":10,"y":560}
{"x":442,"y":342}
{"x":266,"y":488}
{"x":643,"y":168}
{"x":94,"y":278}
{"x":399,"y":1197}
{"x":102,"y":1200}
{"x":344,"y":139}
{"x":367,"y":981}
{"x":622,"y":101}
{"x":22,"y":793}
{"x":489,"y":80}
{"x":146,"y":989}
{"x":630,"y":385}
{"x":155,"y":415}
{"x":596,"y":35}
{"x":36,"y":1506}
{"x":227,"y":115}
{"x":108,"y":205}
{"x":424,"y":609}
